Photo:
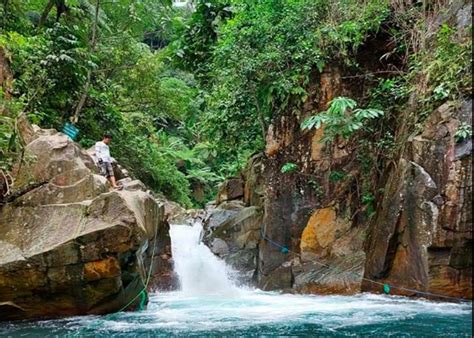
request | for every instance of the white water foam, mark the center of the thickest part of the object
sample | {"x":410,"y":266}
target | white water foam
{"x":200,"y":272}
{"x":180,"y":314}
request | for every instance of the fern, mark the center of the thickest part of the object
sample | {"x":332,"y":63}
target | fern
{"x":341,"y":119}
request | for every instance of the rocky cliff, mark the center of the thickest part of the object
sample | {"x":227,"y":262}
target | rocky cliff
{"x":72,"y":246}
{"x":315,"y":232}
{"x":421,"y":236}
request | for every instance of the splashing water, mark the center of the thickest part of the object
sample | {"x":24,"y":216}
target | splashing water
{"x":199,"y":271}
{"x":209,"y":304}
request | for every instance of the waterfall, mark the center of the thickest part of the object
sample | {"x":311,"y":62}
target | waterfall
{"x":200,"y":272}
{"x":211,"y":305}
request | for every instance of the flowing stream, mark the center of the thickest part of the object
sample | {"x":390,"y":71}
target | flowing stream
{"x":210,"y":304}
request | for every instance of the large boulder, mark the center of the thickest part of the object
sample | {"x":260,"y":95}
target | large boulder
{"x":232,"y":232}
{"x":71,"y":246}
{"x":332,"y":257}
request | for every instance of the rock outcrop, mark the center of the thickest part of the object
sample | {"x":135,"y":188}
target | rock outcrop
{"x":232,"y":231}
{"x":319,"y":239}
{"x":421,"y":237}
{"x":231,"y":189}
{"x":306,"y":210}
{"x":70,"y":245}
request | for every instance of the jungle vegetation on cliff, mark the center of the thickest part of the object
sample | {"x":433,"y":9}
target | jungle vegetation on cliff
{"x":189,"y":95}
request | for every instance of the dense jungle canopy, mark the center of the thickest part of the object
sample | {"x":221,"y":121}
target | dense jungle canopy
{"x":189,"y":93}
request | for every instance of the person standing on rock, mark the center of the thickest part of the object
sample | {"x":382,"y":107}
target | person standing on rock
{"x":104,"y":160}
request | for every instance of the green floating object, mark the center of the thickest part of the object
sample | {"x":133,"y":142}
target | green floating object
{"x":70,"y":130}
{"x":386,"y":288}
{"x":285,"y":250}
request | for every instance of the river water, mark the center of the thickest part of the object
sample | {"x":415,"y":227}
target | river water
{"x":209,"y":304}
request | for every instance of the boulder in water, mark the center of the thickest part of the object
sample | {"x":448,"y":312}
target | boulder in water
{"x":233,"y":233}
{"x":70,"y":246}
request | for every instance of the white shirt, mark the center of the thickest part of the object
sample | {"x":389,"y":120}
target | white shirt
{"x":102,"y":152}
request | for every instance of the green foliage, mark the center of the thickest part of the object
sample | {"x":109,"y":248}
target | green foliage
{"x":194,"y":50}
{"x":10,"y":139}
{"x":189,"y":96}
{"x":131,"y":90}
{"x":335,"y":176}
{"x":446,"y":66}
{"x":8,"y":142}
{"x":450,"y":66}
{"x":288,"y":168}
{"x":48,"y":68}
{"x":464,"y":131}
{"x":255,"y":59}
{"x":341,"y":119}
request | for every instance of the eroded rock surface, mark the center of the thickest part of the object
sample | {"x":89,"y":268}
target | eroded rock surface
{"x":70,"y":246}
{"x":422,"y":235}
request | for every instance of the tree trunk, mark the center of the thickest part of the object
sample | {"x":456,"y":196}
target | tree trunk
{"x":45,"y":14}
{"x":87,"y":84}
{"x":61,"y":8}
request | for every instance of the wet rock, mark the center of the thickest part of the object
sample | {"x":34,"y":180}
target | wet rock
{"x":218,"y":216}
{"x":234,"y":234}
{"x":338,"y":275}
{"x":463,"y":149}
{"x":321,"y":231}
{"x":174,"y":213}
{"x":280,"y":279}
{"x":219,"y":247}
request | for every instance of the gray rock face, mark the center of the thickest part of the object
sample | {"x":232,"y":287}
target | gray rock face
{"x":72,"y":247}
{"x":233,"y":233}
{"x":219,"y":247}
